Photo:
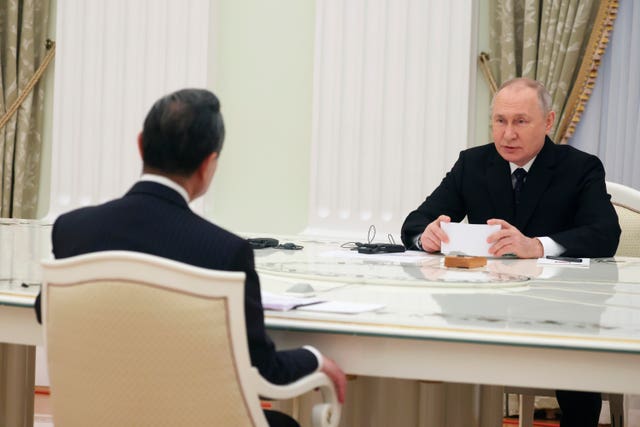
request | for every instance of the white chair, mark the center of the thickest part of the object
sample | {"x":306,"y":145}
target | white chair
{"x":626,"y":202}
{"x":136,"y":340}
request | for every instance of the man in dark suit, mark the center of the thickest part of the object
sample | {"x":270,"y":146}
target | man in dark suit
{"x":180,"y":145}
{"x":548,"y":199}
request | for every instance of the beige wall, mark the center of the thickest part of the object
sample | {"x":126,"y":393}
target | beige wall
{"x":261,"y":67}
{"x":263,"y":74}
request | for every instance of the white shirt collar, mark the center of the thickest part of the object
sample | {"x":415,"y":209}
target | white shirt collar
{"x":163,"y":180}
{"x":526,"y":166}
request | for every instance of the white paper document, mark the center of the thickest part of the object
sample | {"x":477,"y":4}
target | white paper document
{"x":408,"y":257}
{"x":467,"y":239}
{"x":565,"y":262}
{"x":271,"y":301}
{"x":342,"y":307}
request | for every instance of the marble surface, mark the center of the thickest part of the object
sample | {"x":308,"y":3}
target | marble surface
{"x":509,"y":301}
{"x":18,"y":293}
{"x":23,"y":243}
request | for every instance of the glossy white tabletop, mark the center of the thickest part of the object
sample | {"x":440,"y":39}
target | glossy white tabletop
{"x":18,"y":293}
{"x":510,"y":301}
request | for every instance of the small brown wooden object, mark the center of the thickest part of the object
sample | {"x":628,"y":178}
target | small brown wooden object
{"x":464,"y":261}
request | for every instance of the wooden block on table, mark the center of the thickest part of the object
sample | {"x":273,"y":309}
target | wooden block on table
{"x":465,"y":261}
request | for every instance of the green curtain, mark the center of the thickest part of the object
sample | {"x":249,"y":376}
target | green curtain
{"x":23,"y":32}
{"x":544,"y":40}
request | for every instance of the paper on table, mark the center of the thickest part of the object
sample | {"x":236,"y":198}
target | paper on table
{"x":271,"y":301}
{"x":342,"y":307}
{"x":584,"y":262}
{"x":467,"y":239}
{"x":409,"y":257}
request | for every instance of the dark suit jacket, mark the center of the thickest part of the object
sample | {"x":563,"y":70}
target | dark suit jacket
{"x":564,"y":197}
{"x":155,"y":219}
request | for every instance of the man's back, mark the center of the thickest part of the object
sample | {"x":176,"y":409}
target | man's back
{"x":155,"y":219}
{"x":180,"y":145}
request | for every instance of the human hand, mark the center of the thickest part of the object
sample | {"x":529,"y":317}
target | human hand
{"x":333,"y":371}
{"x":509,"y":240}
{"x":433,"y":236}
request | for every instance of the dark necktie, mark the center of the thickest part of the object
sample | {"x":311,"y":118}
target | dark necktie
{"x":520,"y":174}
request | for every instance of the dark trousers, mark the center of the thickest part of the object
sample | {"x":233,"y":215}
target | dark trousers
{"x":579,"y":409}
{"x":278,"y":419}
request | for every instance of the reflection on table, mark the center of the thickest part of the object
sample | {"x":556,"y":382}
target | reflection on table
{"x":517,"y":302}
{"x":513,"y":322}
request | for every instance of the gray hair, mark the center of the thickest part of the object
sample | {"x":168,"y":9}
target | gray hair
{"x":544,"y":98}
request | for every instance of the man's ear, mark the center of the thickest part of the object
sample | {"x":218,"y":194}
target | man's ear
{"x":551,"y":117}
{"x":213,"y":161}
{"x":140,"y":145}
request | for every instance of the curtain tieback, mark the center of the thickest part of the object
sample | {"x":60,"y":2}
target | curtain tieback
{"x":51,"y":47}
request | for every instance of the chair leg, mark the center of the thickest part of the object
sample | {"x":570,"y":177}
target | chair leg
{"x":616,"y":408}
{"x":526,"y":410}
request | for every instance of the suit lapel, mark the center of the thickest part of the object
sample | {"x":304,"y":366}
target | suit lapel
{"x":538,"y":180}
{"x":500,"y":189}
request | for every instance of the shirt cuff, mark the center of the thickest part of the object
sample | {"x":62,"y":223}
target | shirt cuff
{"x":550,"y":246}
{"x":417,"y":242}
{"x":317,"y":354}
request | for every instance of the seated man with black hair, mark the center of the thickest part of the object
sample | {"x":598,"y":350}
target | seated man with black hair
{"x":180,"y":146}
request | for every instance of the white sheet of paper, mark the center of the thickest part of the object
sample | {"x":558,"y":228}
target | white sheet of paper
{"x":467,"y":239}
{"x":409,"y":257}
{"x":584,"y":262}
{"x":342,"y":307}
{"x":271,"y":301}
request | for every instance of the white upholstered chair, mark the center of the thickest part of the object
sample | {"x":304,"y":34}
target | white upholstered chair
{"x":626,"y":202}
{"x":134,"y":339}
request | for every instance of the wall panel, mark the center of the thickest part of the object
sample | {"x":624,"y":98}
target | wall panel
{"x":392,"y":95}
{"x":114,"y":59}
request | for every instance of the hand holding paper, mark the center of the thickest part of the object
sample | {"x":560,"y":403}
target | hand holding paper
{"x":433,"y":236}
{"x":468,"y":239}
{"x":509,"y":240}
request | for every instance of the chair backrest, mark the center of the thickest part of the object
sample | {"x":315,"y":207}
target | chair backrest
{"x":134,"y":339}
{"x":626,"y":202}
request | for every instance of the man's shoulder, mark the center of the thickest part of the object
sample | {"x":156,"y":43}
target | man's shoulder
{"x":565,"y":153}
{"x":219,"y":232}
{"x":480,"y":152}
{"x":569,"y":150}
{"x":84,"y":212}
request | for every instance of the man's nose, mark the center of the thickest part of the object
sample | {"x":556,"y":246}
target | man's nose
{"x":509,"y":132}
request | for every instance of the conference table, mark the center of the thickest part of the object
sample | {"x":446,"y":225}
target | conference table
{"x":23,"y":243}
{"x":19,"y":334}
{"x":512,"y":322}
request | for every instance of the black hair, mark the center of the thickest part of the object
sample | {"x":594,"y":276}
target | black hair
{"x":181,"y":130}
